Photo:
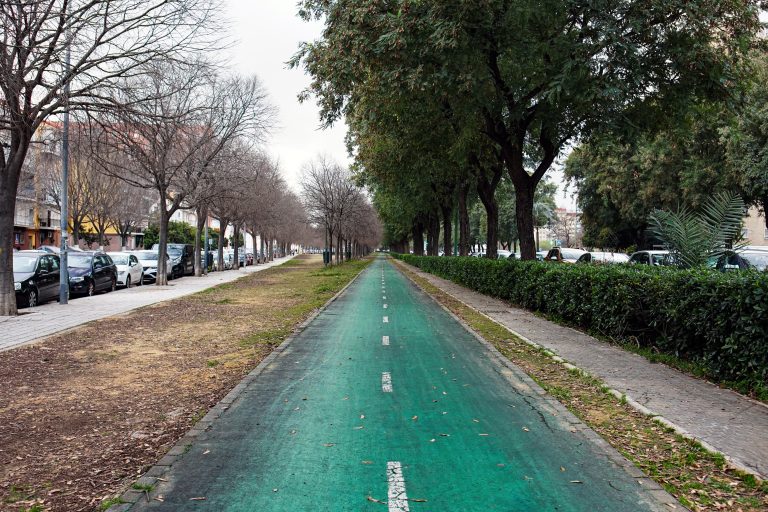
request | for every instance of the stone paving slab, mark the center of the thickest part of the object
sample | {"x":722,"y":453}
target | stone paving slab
{"x":37,"y":323}
{"x":729,"y":422}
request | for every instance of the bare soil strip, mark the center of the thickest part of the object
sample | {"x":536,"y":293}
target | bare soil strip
{"x":84,"y":413}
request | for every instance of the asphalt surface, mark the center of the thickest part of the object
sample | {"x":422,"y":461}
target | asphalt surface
{"x":385,"y":402}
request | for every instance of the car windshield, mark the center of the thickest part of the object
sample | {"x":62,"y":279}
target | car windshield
{"x":76,"y":260}
{"x":120,"y":259}
{"x":759,"y":261}
{"x":660,"y":259}
{"x":147,"y":256}
{"x":22,"y":263}
{"x":570,"y":254}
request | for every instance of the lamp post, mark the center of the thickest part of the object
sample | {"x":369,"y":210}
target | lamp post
{"x":63,"y":270}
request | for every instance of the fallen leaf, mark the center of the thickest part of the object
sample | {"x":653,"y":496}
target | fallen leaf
{"x":367,"y":462}
{"x":526,"y":429}
{"x":359,"y":428}
{"x":371,"y":498}
{"x":328,"y":445}
{"x":415,"y":418}
{"x":199,"y":498}
{"x":206,"y":452}
{"x":576,"y":482}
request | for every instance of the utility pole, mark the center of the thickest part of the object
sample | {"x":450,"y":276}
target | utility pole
{"x":64,"y":221}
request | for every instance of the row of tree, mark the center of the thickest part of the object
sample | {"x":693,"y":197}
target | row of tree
{"x":707,"y":148}
{"x":349,"y":225}
{"x":446,"y":97}
{"x":152,"y":114}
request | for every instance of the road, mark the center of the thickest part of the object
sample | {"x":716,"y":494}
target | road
{"x":386,"y":403}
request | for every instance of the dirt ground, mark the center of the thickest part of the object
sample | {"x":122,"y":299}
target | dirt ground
{"x":84,"y":413}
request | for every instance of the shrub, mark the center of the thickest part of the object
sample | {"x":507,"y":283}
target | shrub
{"x":718,"y":320}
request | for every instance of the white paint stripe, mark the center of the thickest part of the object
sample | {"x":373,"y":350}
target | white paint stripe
{"x":384,"y":297}
{"x":396,"y":497}
{"x":386,"y":382}
{"x":385,"y":340}
{"x":385,"y":306}
{"x":386,"y":319}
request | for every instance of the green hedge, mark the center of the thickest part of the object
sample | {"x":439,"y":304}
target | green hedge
{"x":719,"y":320}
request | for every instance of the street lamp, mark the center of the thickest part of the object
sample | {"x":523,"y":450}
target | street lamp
{"x":63,"y":270}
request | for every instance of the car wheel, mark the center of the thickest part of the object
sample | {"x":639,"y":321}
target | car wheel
{"x":128,"y":282}
{"x":91,"y":289}
{"x":32,"y":298}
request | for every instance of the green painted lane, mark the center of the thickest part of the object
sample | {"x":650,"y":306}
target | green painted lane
{"x":321,"y":429}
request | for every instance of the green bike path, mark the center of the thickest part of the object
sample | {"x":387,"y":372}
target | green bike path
{"x":386,"y":403}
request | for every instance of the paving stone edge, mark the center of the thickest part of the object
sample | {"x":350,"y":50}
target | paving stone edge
{"x":734,"y":464}
{"x":155,"y":473}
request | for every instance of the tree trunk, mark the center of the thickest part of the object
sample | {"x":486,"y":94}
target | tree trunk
{"x":433,"y":231}
{"x":463,"y":220}
{"x":339,"y":248}
{"x":271,"y":249}
{"x":223,"y":223}
{"x":524,"y":217}
{"x":487,"y":192}
{"x":162,"y":269}
{"x":7,"y":213}
{"x":201,"y":218}
{"x":447,"y":212}
{"x":236,"y":253}
{"x":418,"y":238}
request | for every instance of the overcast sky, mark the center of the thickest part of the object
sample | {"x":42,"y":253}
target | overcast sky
{"x":267,"y":34}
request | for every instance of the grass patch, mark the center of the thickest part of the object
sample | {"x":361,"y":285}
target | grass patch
{"x":699,"y":479}
{"x":104,"y":505}
{"x":142,"y":487}
{"x":212,"y":363}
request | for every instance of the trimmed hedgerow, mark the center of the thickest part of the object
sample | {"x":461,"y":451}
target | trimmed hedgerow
{"x":717,"y":320}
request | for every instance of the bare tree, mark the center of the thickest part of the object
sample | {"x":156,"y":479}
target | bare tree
{"x":56,"y":54}
{"x":131,"y":210}
{"x":170,"y":141}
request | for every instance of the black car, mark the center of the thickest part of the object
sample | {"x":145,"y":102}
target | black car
{"x":90,"y":272}
{"x":35,"y":277}
{"x":182,"y":258}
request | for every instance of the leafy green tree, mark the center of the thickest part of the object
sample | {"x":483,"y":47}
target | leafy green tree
{"x":178,"y":233}
{"x":621,"y":180}
{"x":532,"y":76}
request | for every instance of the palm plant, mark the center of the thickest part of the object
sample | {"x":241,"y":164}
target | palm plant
{"x":692,"y":238}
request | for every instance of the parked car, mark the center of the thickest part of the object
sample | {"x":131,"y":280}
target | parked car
{"x":35,"y":277}
{"x":182,"y":257}
{"x":741,"y":260}
{"x":129,"y":270}
{"x":603,"y":257}
{"x":650,"y":258}
{"x":502,"y":254}
{"x":90,"y":272}
{"x":564,"y":254}
{"x":148,"y":261}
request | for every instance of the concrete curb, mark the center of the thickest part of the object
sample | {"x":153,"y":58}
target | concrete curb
{"x":155,"y":474}
{"x":621,"y":396}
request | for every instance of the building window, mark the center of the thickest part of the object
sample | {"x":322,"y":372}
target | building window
{"x":765,"y":234}
{"x":17,"y":238}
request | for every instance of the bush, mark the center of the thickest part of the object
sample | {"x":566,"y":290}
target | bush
{"x":718,"y":320}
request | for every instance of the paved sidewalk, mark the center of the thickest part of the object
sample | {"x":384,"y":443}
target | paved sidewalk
{"x":731,"y":423}
{"x":37,"y":323}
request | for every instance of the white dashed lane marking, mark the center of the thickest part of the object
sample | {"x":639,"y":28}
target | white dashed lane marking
{"x":396,"y":497}
{"x":386,"y":382}
{"x":385,"y":306}
{"x":386,"y":319}
{"x":385,"y":340}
